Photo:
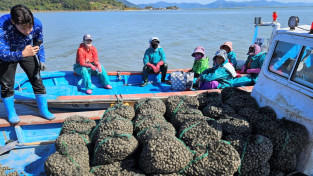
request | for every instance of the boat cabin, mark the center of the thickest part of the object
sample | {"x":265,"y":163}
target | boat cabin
{"x":285,"y":82}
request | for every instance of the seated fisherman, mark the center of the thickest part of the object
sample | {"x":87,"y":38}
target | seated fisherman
{"x":252,"y":66}
{"x":219,"y":76}
{"x":231,"y":55}
{"x":201,"y":62}
{"x":87,"y":64}
{"x":154,"y":61}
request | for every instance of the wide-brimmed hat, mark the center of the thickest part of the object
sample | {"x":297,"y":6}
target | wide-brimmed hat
{"x":229,"y":44}
{"x":254,"y":50}
{"x":199,"y":49}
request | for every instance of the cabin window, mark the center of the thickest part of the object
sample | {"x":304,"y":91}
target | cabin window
{"x":304,"y":71}
{"x":284,"y":58}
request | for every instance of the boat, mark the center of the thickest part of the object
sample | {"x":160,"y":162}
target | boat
{"x":286,"y":90}
{"x":65,"y":91}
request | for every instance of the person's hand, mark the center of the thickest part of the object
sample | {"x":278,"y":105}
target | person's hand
{"x":159,"y":65}
{"x":99,"y":68}
{"x":94,"y":68}
{"x":30,"y":51}
{"x":155,"y":70}
{"x":243,"y":69}
{"x":42,"y":66}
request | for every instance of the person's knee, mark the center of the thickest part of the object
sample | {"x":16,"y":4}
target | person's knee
{"x":84,"y":71}
{"x":164,"y":65}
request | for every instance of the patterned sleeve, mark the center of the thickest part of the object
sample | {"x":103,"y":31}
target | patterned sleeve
{"x":5,"y":54}
{"x":39,"y":36}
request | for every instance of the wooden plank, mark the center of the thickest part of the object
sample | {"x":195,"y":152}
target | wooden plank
{"x":60,"y":117}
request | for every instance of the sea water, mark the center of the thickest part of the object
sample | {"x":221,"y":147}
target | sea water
{"x":121,"y":37}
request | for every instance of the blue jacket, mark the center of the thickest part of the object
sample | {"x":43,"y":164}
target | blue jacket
{"x":223,"y":74}
{"x":154,"y":56}
{"x":232,"y":58}
{"x":12,"y":42}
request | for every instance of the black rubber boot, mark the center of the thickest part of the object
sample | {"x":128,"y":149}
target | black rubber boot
{"x":163,"y":69}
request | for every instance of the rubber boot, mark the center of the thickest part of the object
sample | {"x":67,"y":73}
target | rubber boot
{"x":43,"y":107}
{"x":164,"y":71}
{"x":145,"y":72}
{"x":9,"y":106}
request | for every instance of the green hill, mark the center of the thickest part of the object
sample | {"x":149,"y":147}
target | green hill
{"x":5,"y":5}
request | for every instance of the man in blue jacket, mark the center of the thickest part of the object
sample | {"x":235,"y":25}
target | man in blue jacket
{"x":154,"y":61}
{"x":20,"y":43}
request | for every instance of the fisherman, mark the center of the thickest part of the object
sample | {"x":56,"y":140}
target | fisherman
{"x":87,"y":64}
{"x":201,"y":62}
{"x":154,"y":61}
{"x":20,"y":32}
{"x":252,"y":66}
{"x":231,"y":55}
{"x":219,"y":76}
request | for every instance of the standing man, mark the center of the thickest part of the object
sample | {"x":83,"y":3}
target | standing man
{"x":154,"y":61}
{"x":20,"y":32}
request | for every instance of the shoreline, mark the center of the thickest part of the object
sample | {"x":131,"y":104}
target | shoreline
{"x":130,"y":10}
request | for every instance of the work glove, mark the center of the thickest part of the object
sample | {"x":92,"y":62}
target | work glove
{"x":99,"y":68}
{"x":243,"y":69}
{"x":253,"y":70}
{"x":159,"y":65}
{"x":153,"y":67}
{"x":42,"y":66}
{"x":94,"y":68}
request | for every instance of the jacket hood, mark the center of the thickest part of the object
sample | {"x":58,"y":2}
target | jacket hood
{"x":229,"y":44}
{"x":222,"y":53}
{"x":199,"y":49}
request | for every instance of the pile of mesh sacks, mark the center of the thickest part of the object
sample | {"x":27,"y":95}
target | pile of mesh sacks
{"x":4,"y":170}
{"x":211,"y":134}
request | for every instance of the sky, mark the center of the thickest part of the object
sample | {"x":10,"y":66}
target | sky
{"x":203,"y":1}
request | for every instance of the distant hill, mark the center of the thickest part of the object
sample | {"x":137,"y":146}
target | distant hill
{"x":125,"y":2}
{"x":225,"y":4}
{"x":5,"y":5}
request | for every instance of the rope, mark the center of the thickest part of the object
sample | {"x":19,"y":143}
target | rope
{"x":243,"y":155}
{"x":177,"y":108}
{"x":94,"y":168}
{"x":139,"y":104}
{"x":86,"y":141}
{"x":194,"y":161}
{"x":145,"y":118}
{"x":287,"y":136}
{"x":181,"y":134}
{"x":66,"y":153}
{"x":106,"y":139}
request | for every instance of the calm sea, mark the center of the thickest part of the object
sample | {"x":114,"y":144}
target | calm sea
{"x":121,"y":37}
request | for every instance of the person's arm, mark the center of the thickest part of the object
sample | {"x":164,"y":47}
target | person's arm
{"x":96,"y":59}
{"x":146,"y":57}
{"x":162,"y":54}
{"x":219,"y":73}
{"x":233,"y":59}
{"x":38,"y":31}
{"x":5,"y":54}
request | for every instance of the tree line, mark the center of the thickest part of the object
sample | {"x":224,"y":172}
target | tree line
{"x":41,"y":5}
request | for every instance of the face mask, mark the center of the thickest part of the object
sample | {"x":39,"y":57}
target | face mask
{"x":198,"y":56}
{"x":154,"y":45}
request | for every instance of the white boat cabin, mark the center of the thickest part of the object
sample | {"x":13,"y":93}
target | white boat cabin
{"x":285,"y":82}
